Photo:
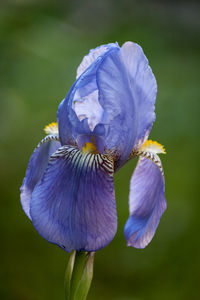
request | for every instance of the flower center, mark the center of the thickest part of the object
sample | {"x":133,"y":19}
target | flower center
{"x":90,"y":148}
{"x":90,"y":144}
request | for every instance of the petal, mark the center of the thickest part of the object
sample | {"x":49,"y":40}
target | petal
{"x":102,"y":95}
{"x":71,"y":111}
{"x":117,"y":100}
{"x":143,"y":85}
{"x":89,"y":107}
{"x":92,"y":56}
{"x":146,"y":203}
{"x":67,"y":132}
{"x":73,"y":205}
{"x":117,"y":89}
{"x":36,"y":167}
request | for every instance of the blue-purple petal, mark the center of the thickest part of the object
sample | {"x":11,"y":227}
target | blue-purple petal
{"x":117,"y":100}
{"x":65,"y":118}
{"x":83,"y":88}
{"x":144,"y":88}
{"x":92,"y":56}
{"x":73,"y":205}
{"x":105,"y":84}
{"x":146,"y":203}
{"x":36,"y":166}
{"x":116,"y":89}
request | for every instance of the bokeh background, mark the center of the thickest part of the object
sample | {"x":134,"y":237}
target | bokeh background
{"x":41,"y":45}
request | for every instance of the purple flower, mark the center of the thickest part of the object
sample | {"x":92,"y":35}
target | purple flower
{"x":104,"y":121}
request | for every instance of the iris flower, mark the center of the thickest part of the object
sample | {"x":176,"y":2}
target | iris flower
{"x":104,"y":121}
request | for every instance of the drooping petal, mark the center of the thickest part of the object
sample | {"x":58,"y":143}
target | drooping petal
{"x":36,"y":166}
{"x":92,"y":56}
{"x":73,"y":205}
{"x":144,"y":88}
{"x":146,"y":203}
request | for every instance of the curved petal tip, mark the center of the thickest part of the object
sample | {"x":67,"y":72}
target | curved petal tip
{"x":147,"y":204}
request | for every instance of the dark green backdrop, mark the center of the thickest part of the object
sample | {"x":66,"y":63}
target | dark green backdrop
{"x":41,"y":45}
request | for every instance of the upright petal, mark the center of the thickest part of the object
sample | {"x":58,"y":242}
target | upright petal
{"x":69,"y":114}
{"x":73,"y":205}
{"x":67,"y":132}
{"x":36,"y":166}
{"x":144,"y":88}
{"x":146,"y":203}
{"x":102,"y":95}
{"x":117,"y":100}
{"x":117,"y":89}
{"x":92,"y":56}
{"x":89,"y":108}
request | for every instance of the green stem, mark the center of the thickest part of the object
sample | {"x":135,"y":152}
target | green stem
{"x":78,"y":276}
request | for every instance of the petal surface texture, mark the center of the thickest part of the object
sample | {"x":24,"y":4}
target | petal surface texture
{"x":36,"y":166}
{"x":73,"y":205}
{"x":146,"y":203}
{"x":144,"y":88}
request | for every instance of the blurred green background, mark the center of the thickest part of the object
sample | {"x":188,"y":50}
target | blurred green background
{"x":41,"y":45}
